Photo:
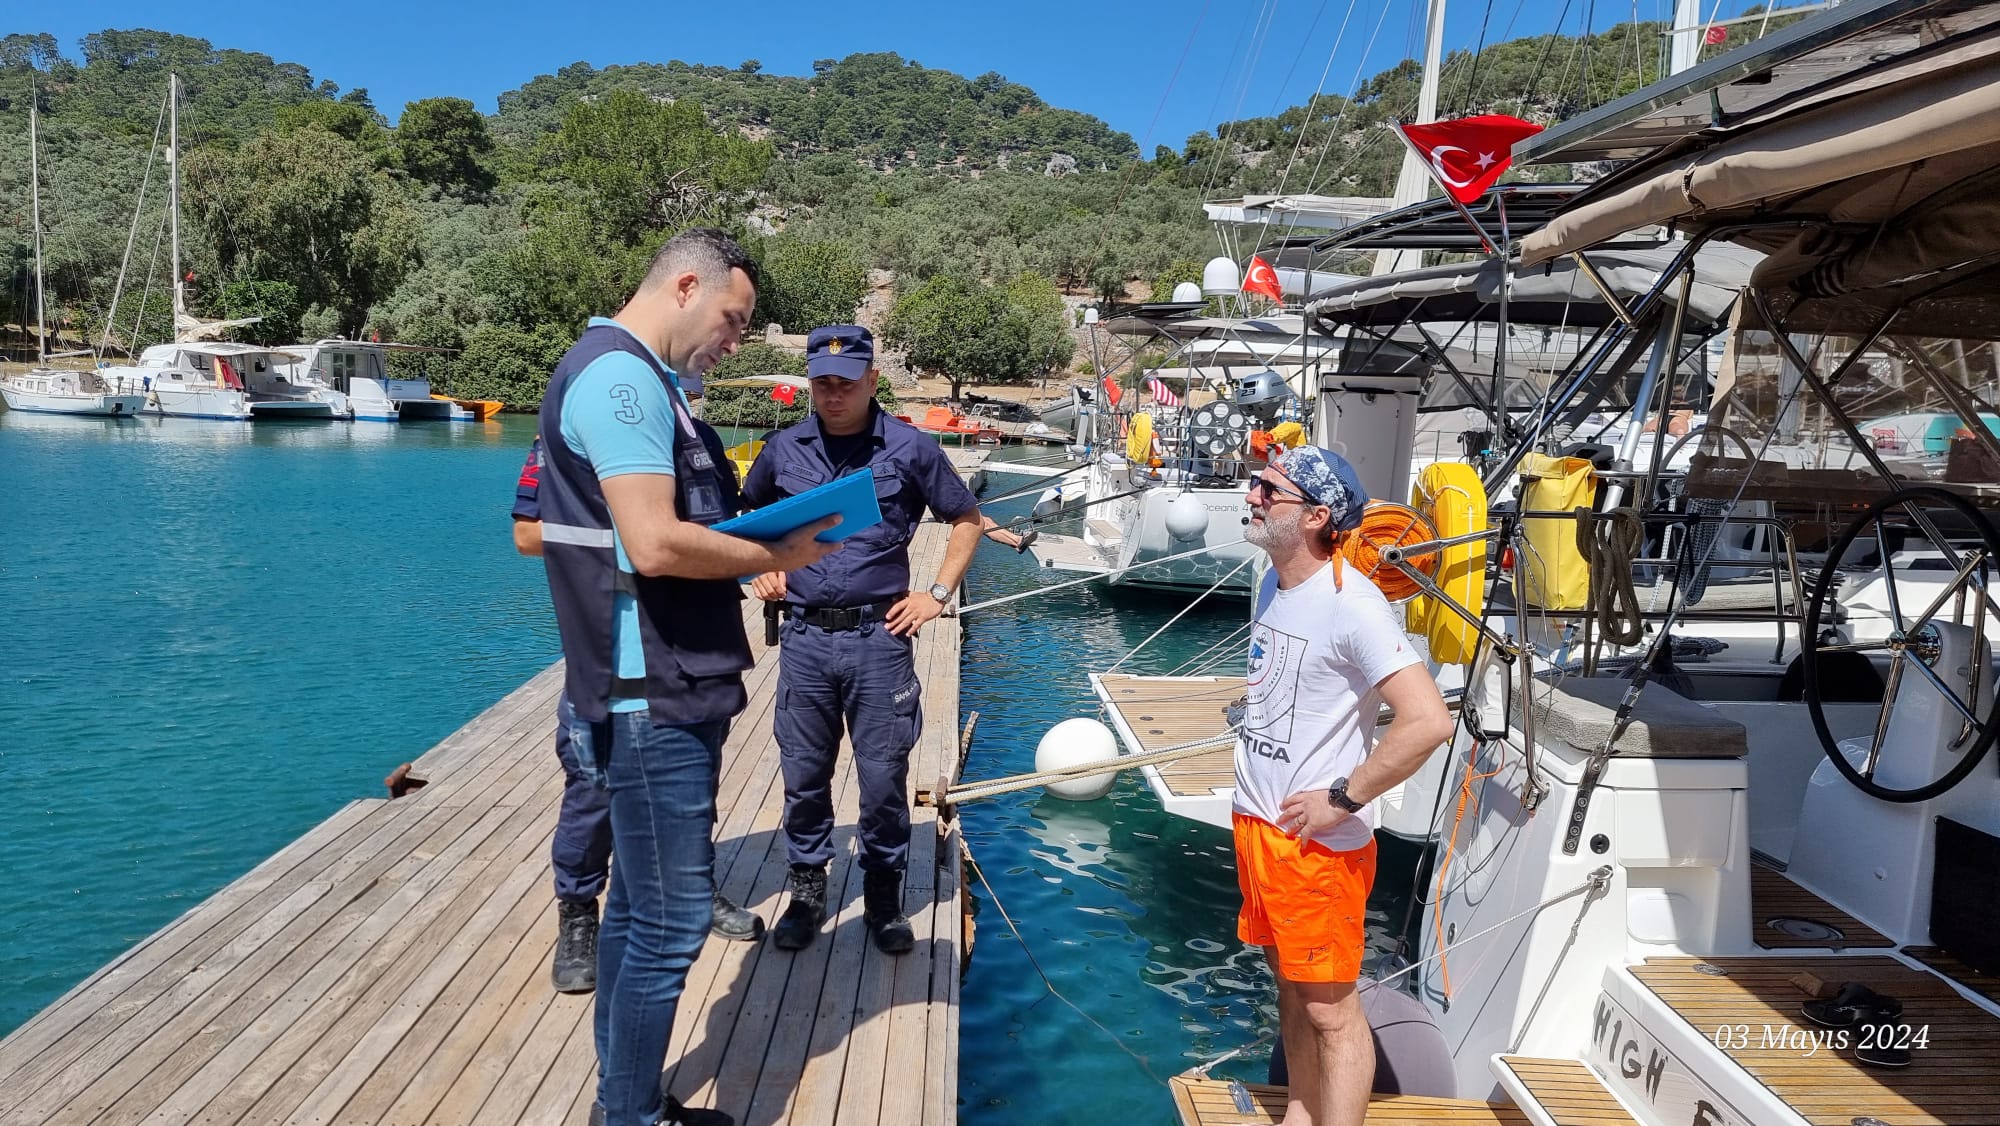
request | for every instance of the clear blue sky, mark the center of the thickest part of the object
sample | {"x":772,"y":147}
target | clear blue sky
{"x":1244,"y":58}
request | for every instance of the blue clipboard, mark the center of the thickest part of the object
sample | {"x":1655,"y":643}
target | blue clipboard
{"x":852,"y":496}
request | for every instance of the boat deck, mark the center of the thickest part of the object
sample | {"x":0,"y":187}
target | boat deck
{"x":1567,"y":1092}
{"x":1950,"y":1081}
{"x":1212,"y":1102}
{"x":392,"y":964}
{"x":1164,"y":711}
{"x":1775,"y":897}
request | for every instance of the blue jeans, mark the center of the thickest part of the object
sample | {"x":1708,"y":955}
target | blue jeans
{"x":662,"y":782}
{"x":581,"y":850}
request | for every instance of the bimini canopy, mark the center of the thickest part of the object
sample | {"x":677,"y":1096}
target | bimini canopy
{"x":1878,"y":190}
{"x":1555,"y":294}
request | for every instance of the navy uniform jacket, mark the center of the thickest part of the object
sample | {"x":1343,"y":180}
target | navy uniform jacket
{"x":911,"y":474}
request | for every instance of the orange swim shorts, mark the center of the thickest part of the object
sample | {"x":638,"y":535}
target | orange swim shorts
{"x":1303,"y":898}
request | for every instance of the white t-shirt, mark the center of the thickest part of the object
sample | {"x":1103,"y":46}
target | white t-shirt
{"x":1317,"y":651}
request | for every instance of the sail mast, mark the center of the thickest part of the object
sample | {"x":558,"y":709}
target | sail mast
{"x":1412,"y":182}
{"x":35,"y":193}
{"x":174,"y":194}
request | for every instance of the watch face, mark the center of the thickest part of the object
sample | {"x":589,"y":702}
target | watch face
{"x":941,"y":592}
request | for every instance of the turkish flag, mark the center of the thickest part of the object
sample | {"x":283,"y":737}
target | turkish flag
{"x":1112,"y":391}
{"x":1261,"y":278}
{"x":1715,"y":35}
{"x":785,"y":393}
{"x":1467,"y":156}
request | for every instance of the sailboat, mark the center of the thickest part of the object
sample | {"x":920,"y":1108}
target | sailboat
{"x":191,"y":377}
{"x":52,"y":390}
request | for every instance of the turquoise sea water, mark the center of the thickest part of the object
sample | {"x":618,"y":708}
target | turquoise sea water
{"x":217,"y":634}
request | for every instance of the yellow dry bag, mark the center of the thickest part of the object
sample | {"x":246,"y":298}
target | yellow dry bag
{"x":1555,"y":575}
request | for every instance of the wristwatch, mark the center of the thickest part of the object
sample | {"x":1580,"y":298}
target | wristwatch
{"x":941,"y":592}
{"x":1337,"y":794}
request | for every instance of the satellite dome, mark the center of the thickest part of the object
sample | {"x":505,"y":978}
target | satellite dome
{"x":1220,"y":278}
{"x":1187,"y":292}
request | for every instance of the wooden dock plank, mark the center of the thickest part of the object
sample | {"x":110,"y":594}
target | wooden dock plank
{"x":115,"y":1062}
{"x":390,"y":965}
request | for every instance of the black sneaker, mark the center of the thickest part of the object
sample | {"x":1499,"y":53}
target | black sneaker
{"x":575,"y":968}
{"x":734,"y":923}
{"x":882,"y":899}
{"x":801,"y":921}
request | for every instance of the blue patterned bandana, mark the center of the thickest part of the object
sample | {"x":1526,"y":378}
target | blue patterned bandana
{"x":1328,"y":479}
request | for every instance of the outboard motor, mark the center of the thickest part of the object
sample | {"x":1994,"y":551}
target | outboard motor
{"x":1262,"y":395}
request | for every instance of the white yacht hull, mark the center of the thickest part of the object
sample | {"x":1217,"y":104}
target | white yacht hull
{"x":291,"y":410}
{"x":201,"y":402}
{"x":1541,"y":961}
{"x":104,"y":406}
{"x":1130,"y":520}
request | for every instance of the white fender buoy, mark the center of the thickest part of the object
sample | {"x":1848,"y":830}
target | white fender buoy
{"x":1074,"y":742}
{"x":1049,"y":502}
{"x":1187,"y":517}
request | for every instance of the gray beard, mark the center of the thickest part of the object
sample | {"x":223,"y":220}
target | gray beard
{"x":1273,"y":538}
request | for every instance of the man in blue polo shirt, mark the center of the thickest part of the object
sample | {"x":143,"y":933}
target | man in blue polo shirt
{"x":846,"y":659}
{"x":580,"y":852}
{"x":649,"y":610}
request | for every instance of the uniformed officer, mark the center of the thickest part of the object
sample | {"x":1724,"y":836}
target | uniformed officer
{"x":650,"y":616}
{"x":846,"y":656}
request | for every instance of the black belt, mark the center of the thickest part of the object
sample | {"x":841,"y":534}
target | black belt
{"x":839,"y":617}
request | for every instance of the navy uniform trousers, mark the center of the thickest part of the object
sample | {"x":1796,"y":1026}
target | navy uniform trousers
{"x":581,"y":849}
{"x":866,"y":680}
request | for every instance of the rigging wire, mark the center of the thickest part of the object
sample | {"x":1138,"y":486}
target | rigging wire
{"x":138,"y":209}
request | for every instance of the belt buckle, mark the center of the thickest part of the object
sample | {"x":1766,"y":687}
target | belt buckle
{"x":848,"y":618}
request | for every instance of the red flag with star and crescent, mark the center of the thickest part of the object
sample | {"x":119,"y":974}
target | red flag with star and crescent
{"x":1467,"y":156}
{"x":1261,"y":278}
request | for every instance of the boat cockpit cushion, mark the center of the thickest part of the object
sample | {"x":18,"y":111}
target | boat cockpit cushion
{"x":1579,"y":712}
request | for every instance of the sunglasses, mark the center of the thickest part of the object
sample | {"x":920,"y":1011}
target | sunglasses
{"x":1271,"y":489}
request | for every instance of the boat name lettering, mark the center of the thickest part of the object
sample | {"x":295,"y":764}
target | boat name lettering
{"x":1642,"y":1067}
{"x":1622,"y":1051}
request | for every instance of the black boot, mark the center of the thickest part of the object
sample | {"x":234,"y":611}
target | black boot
{"x":799,"y":925}
{"x":882,"y":902}
{"x":576,"y":946}
{"x":733,"y":922}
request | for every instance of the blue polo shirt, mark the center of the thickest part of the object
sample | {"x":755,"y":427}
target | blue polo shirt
{"x":911,"y":475}
{"x":619,"y":417}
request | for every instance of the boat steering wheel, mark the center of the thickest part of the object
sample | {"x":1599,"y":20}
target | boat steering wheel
{"x":1913,"y":641}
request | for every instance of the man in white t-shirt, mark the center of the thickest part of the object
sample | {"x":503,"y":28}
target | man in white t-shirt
{"x":1326,"y":652}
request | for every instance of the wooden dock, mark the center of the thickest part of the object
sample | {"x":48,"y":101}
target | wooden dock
{"x":392,"y":964}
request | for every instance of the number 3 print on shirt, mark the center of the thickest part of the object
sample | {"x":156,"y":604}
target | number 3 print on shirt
{"x":628,"y":404}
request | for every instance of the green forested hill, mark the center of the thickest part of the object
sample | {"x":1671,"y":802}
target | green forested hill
{"x":877,"y":109}
{"x":497,"y":234}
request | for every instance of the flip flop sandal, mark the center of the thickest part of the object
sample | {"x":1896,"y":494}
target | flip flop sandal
{"x":1027,"y":539}
{"x":1884,"y":1043}
{"x":1853,"y":1004}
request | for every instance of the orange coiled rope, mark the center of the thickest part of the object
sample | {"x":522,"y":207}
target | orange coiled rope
{"x":1385,"y":524}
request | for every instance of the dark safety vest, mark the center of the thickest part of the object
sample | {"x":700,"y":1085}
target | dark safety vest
{"x":691,"y":629}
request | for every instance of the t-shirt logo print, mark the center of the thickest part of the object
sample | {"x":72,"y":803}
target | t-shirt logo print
{"x":1276,"y":660}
